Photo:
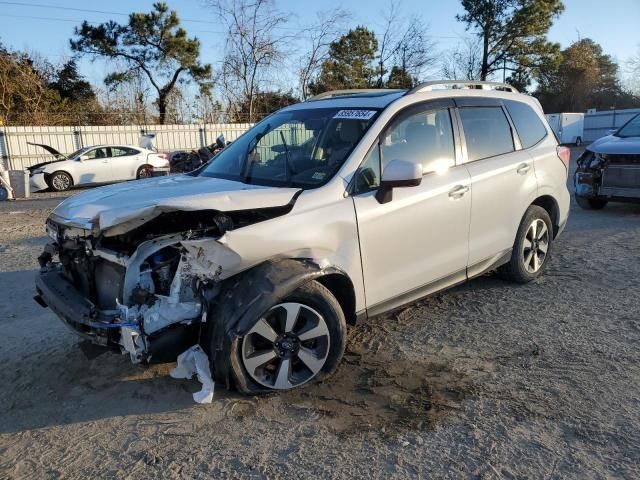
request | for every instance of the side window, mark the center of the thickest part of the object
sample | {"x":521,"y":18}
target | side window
{"x":98,"y":153}
{"x":487,"y":132}
{"x":368,"y":176}
{"x":528,"y":124}
{"x":425,"y":136}
{"x":122,"y":151}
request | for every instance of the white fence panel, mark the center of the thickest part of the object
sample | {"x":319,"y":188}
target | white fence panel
{"x":17,"y":154}
{"x":598,"y":124}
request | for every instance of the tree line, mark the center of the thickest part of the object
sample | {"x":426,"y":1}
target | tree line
{"x":157,"y":75}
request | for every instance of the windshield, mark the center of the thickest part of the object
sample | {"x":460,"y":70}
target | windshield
{"x":77,"y":153}
{"x":299,"y":148}
{"x":630,"y":129}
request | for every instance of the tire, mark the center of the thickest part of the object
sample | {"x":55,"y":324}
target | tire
{"x":4,"y":193}
{"x":578,"y":141}
{"x":525,"y":266}
{"x":60,"y":181}
{"x":595,"y":203}
{"x":290,"y":349}
{"x":144,"y":171}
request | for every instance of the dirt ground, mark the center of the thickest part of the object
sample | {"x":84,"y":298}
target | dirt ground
{"x":487,"y":380}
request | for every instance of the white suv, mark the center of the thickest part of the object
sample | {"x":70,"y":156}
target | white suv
{"x":325,"y":213}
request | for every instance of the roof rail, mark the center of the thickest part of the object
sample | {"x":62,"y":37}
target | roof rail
{"x":473,"y":84}
{"x":353,"y":91}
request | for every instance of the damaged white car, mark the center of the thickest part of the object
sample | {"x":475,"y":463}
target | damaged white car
{"x":324,"y":213}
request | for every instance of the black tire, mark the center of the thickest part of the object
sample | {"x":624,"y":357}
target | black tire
{"x":578,"y":141}
{"x":319,"y":298}
{"x":60,"y":181}
{"x":144,"y":171}
{"x":516,"y":270}
{"x":595,"y":203}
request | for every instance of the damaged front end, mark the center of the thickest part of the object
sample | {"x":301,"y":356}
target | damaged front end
{"x":146,"y":291}
{"x":614,"y":176}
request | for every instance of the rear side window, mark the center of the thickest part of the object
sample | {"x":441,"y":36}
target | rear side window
{"x":528,"y":124}
{"x":487,"y":132}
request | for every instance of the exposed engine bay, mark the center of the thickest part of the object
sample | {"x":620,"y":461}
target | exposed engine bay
{"x":147,"y":291}
{"x":615,"y":176}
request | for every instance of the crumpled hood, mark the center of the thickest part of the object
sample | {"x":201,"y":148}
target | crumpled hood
{"x":130,"y":204}
{"x":616,"y":145}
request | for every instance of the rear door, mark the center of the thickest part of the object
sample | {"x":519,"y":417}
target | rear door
{"x":503,"y":181}
{"x":125,"y":162}
{"x":417,"y":242}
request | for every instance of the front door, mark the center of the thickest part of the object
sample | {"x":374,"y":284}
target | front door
{"x":96,"y":168}
{"x":418,"y":242}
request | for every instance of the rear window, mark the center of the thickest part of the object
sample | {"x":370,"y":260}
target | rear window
{"x":487,"y":132}
{"x":528,"y":124}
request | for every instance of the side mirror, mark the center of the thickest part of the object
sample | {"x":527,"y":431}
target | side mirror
{"x":83,"y":158}
{"x":612,"y":131}
{"x":398,"y":173}
{"x":220,"y":142}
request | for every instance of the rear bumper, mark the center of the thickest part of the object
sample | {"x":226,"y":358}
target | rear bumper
{"x":76,"y":311}
{"x":160,"y":171}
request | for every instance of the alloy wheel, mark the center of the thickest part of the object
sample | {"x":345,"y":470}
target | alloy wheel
{"x":287,"y":347}
{"x":60,"y":182}
{"x":536,"y":246}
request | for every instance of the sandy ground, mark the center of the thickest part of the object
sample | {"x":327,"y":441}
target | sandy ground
{"x":488,"y":380}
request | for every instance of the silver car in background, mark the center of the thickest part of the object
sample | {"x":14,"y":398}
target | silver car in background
{"x":609,"y":168}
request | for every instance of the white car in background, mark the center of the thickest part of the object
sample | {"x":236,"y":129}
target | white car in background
{"x":96,"y":165}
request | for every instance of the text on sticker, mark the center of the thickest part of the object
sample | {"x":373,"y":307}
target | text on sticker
{"x":355,"y":114}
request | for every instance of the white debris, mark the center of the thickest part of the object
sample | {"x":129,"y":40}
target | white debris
{"x":195,"y":362}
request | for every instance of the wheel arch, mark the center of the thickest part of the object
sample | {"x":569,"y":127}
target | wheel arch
{"x":47,"y":176}
{"x":244,"y":297}
{"x":552,"y":208}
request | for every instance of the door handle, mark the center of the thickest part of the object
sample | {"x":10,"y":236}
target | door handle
{"x":458,"y":191}
{"x":523,"y":168}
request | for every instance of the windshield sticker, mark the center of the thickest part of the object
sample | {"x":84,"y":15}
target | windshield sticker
{"x":319,"y":175}
{"x":355,"y":114}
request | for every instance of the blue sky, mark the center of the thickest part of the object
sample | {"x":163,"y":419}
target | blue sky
{"x":613,"y":24}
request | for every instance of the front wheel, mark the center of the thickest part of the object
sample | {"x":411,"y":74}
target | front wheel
{"x":595,"y":203}
{"x":60,"y":181}
{"x":297,"y":341}
{"x":532,"y":247}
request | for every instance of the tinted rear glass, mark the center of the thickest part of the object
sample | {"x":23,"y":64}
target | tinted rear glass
{"x":528,"y":125}
{"x":487,"y":132}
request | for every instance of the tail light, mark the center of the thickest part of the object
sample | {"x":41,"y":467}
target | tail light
{"x":564,"y":154}
{"x":164,"y":157}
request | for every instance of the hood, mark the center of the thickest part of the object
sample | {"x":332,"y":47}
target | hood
{"x":616,"y":145}
{"x":59,"y":156}
{"x":125,"y":206}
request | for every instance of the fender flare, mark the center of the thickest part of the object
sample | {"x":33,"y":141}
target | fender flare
{"x":241,"y":301}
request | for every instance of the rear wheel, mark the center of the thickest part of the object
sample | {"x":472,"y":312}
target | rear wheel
{"x":578,"y":141}
{"x":297,"y":341}
{"x":595,"y":203}
{"x":532,"y":247}
{"x":60,"y":181}
{"x":145,"y":171}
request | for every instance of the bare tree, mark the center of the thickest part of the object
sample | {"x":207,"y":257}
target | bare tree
{"x":464,"y":62}
{"x":387,"y":42}
{"x":405,"y":45}
{"x":329,"y":26}
{"x":253,"y":47}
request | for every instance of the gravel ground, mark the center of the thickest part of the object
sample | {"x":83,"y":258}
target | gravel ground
{"x":487,"y":380}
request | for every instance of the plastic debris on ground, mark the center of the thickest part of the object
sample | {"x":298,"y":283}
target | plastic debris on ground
{"x":195,"y":362}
